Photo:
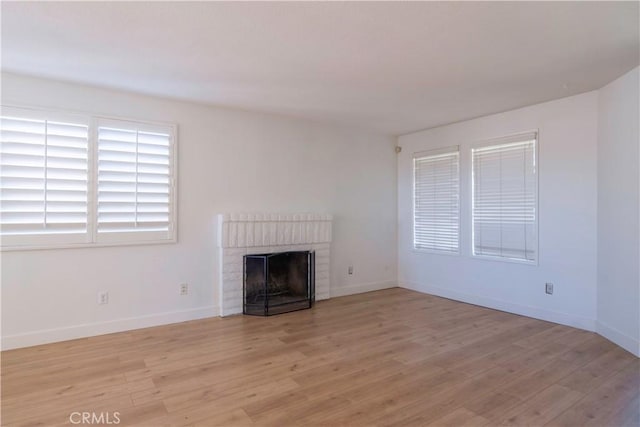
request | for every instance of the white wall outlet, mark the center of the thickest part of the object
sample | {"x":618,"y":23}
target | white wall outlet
{"x":184,"y":289}
{"x":103,"y":298}
{"x":350,"y":270}
{"x":548,"y":288}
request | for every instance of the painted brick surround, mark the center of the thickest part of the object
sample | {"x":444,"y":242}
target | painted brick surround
{"x":240,"y":234}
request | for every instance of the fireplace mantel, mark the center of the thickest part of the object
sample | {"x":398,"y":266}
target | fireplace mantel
{"x":241,"y":234}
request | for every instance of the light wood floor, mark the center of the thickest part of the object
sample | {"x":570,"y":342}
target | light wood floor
{"x":392,"y":357}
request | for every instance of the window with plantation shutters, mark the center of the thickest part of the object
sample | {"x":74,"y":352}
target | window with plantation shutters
{"x":505,"y":198}
{"x":69,"y":180}
{"x":43,"y":178}
{"x":134,"y":175}
{"x":436,"y":200}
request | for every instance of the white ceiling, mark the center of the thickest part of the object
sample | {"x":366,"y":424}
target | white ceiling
{"x":390,"y":67}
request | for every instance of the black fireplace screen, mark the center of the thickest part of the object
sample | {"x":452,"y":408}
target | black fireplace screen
{"x":278,"y":282}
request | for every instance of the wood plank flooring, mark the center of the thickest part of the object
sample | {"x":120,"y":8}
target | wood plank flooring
{"x":392,"y":357}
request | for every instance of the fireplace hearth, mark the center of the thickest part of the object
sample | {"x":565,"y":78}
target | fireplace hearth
{"x":278,"y":283}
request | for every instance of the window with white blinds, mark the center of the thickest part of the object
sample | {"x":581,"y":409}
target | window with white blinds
{"x":436,"y":200}
{"x":43,"y":177}
{"x":505,"y":198}
{"x":81,"y":180}
{"x":134,"y":180}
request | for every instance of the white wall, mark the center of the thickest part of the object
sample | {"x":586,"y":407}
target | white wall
{"x":567,"y":217}
{"x":229,"y":161}
{"x":619,"y":212}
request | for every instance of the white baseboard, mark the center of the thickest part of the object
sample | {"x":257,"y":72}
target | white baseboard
{"x":46,"y":336}
{"x":100,"y":328}
{"x":625,"y":341}
{"x":536,"y":313}
{"x":340,"y":291}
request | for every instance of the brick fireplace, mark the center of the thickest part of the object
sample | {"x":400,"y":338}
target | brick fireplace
{"x":241,"y":234}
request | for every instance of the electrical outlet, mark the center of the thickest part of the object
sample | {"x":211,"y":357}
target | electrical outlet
{"x":184,"y":289}
{"x":548,"y":288}
{"x":350,"y":270}
{"x":103,"y":298}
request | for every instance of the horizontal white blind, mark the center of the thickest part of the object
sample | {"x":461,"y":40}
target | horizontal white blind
{"x":43,"y":175}
{"x":504,"y":198}
{"x":134,"y":179}
{"x":436,"y":200}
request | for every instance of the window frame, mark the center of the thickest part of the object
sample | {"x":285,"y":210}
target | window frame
{"x":498,"y":141}
{"x":426,"y":153}
{"x":134,"y":238}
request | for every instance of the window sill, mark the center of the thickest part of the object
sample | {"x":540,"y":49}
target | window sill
{"x":509,"y":260}
{"x":478,"y":257}
{"x":434,"y":252}
{"x":43,"y":247}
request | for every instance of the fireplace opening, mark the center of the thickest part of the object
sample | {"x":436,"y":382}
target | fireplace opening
{"x":278,"y":282}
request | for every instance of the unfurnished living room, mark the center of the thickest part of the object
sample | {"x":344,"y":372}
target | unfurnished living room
{"x":320,"y":213}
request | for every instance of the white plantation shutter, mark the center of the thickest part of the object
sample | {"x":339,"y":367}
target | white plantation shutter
{"x":436,"y":200}
{"x":134,"y":181}
{"x":505,"y":198}
{"x":69,"y":180}
{"x":43,"y":177}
